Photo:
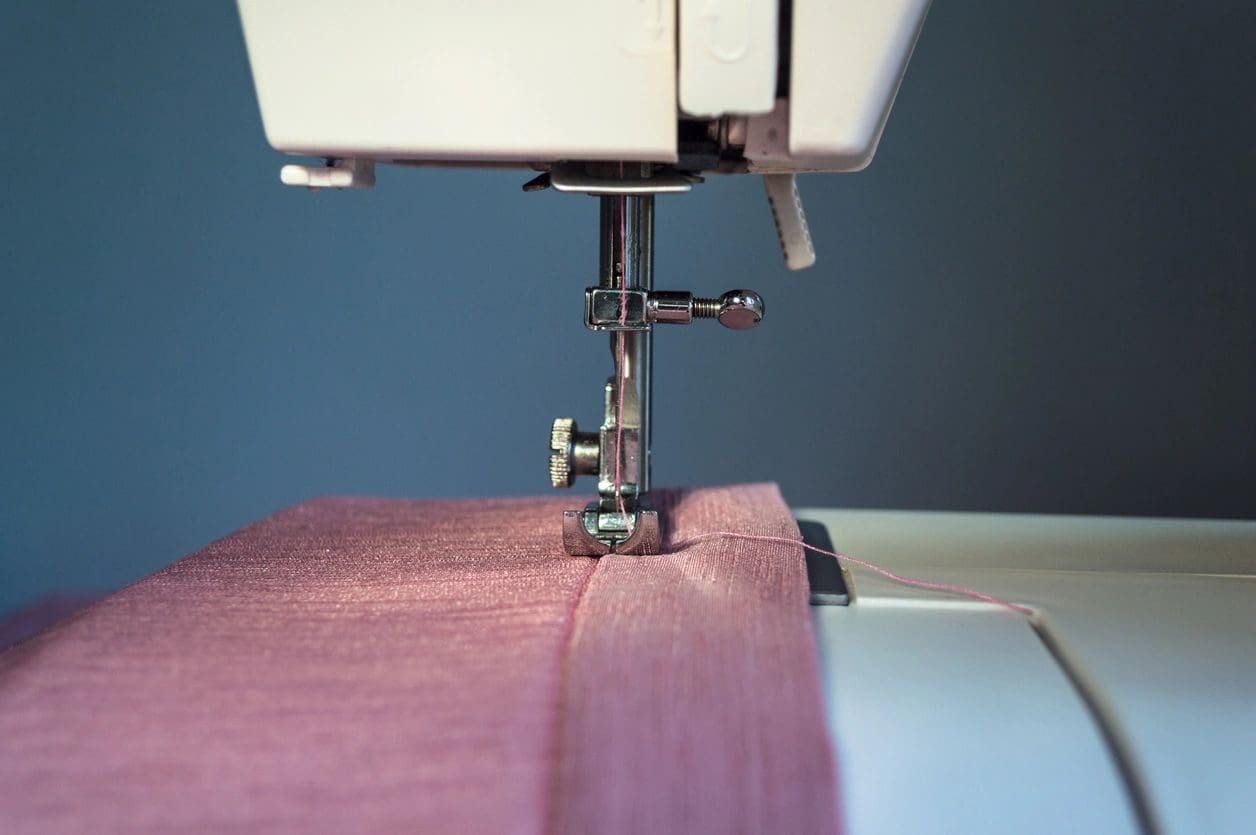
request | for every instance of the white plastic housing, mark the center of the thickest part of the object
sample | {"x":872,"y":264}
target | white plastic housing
{"x":466,"y":80}
{"x":727,"y":56}
{"x":538,"y":81}
{"x":848,"y":60}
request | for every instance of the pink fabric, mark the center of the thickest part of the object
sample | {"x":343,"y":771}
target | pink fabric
{"x":364,"y":664}
{"x":692,"y":701}
{"x":40,"y":615}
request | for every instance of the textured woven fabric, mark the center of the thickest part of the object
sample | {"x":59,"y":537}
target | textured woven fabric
{"x":386,"y":665}
{"x":38,"y":616}
{"x":692,"y":701}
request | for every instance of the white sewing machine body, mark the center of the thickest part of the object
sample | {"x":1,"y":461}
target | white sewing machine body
{"x":1128,"y":705}
{"x":480,"y":81}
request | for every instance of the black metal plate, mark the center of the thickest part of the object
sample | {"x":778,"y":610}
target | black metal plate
{"x":824,"y":574}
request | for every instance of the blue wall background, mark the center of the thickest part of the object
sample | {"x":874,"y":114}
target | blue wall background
{"x":1038,"y":298}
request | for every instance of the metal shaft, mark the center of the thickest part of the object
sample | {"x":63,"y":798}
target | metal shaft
{"x":627,"y":263}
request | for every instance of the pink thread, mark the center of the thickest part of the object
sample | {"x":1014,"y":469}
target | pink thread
{"x":619,"y":420}
{"x":621,"y":358}
{"x":884,"y":572}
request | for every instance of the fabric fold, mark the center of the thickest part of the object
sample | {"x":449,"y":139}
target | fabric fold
{"x":692,"y":696}
{"x":434,"y":666}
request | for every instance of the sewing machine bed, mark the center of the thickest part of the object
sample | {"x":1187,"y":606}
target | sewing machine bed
{"x":1128,"y":705}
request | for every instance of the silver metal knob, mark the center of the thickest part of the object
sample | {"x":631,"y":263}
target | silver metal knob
{"x":560,"y":457}
{"x":572,"y":452}
{"x":736,"y":309}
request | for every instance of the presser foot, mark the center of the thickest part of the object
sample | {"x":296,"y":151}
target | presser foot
{"x":593,"y":532}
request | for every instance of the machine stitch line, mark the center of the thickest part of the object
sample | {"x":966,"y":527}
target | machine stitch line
{"x":560,"y":690}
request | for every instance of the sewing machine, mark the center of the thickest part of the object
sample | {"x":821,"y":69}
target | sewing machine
{"x":1122,"y":707}
{"x":619,"y":100}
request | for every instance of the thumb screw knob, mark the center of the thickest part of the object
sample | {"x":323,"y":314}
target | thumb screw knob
{"x":736,"y":309}
{"x":560,"y":468}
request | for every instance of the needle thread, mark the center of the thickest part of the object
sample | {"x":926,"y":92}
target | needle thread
{"x":619,"y":424}
{"x":621,"y":357}
{"x":915,"y":582}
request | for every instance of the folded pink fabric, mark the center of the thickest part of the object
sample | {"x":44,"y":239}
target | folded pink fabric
{"x":371,"y":664}
{"x":692,"y":701}
{"x":43,"y":613}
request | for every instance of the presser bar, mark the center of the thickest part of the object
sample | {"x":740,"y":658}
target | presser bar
{"x":625,"y":305}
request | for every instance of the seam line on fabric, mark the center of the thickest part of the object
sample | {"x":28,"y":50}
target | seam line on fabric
{"x":554,"y":779}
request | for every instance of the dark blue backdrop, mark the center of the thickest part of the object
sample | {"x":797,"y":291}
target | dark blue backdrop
{"x":1038,"y":298}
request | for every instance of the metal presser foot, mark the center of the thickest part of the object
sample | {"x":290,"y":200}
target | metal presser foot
{"x":626,"y":305}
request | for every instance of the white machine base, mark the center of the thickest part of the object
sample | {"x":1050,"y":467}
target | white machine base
{"x":1130,"y":706}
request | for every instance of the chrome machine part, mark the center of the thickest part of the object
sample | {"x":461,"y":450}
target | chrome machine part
{"x":625,"y":305}
{"x":637,"y":310}
{"x":737,"y":310}
{"x":572,"y":452}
